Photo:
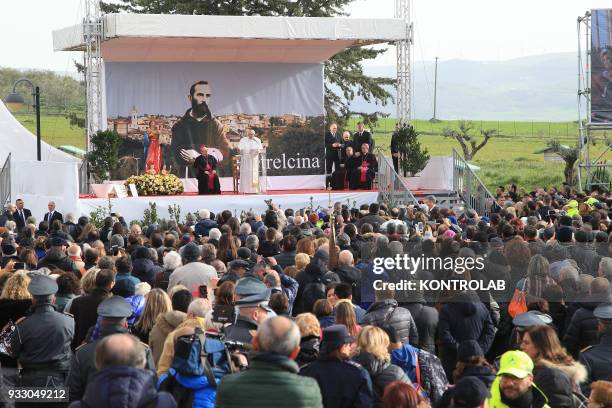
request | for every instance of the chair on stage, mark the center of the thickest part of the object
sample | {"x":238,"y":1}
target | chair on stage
{"x":236,"y":172}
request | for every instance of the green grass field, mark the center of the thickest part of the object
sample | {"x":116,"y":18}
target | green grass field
{"x":507,"y":158}
{"x":538,"y":130}
{"x":55,"y":130}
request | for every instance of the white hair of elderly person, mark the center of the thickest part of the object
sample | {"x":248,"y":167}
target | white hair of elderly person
{"x":198,"y":307}
{"x":214,"y":233}
{"x":11,"y":226}
{"x":142,"y":288}
{"x":172,"y":260}
{"x":204,"y":214}
{"x":245,"y":228}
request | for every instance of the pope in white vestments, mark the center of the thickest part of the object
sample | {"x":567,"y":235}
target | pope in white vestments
{"x":250,"y":147}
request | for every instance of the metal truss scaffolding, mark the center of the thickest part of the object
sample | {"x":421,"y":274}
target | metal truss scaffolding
{"x":92,"y":35}
{"x":403,"y":102}
{"x":592,"y":169}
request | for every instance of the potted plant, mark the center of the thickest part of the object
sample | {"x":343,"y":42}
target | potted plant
{"x":102,"y":159}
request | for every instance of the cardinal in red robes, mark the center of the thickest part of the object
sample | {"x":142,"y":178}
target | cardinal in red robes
{"x":362,"y":176}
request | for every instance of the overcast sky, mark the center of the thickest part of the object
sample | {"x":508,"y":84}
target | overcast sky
{"x":488,"y":30}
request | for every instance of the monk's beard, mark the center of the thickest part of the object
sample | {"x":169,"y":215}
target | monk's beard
{"x":200,"y":110}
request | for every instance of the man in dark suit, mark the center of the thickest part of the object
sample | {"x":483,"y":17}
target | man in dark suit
{"x":22,"y":215}
{"x":395,"y":155}
{"x":53,"y":215}
{"x":363,"y":136}
{"x":333,"y":143}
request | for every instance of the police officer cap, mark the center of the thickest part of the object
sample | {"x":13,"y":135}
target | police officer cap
{"x":603,"y":311}
{"x":238,"y":263}
{"x":258,"y":300}
{"x":248,"y":286}
{"x":532,"y":318}
{"x":335,"y":336}
{"x":42,"y":285}
{"x":115,"y":307}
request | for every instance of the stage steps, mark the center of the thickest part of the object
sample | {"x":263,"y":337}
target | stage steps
{"x":468,"y":190}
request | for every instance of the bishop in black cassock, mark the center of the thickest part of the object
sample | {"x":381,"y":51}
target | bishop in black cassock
{"x":206,"y":173}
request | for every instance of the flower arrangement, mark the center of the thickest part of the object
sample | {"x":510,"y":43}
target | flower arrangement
{"x":156,"y":184}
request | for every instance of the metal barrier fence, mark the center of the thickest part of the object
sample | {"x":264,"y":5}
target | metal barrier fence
{"x":5,"y":182}
{"x":392,"y":188}
{"x":470,"y":188}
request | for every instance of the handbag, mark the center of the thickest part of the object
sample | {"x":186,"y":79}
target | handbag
{"x":518,"y":304}
{"x":5,"y":338}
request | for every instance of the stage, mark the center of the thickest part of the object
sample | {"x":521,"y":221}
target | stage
{"x":132,"y":208}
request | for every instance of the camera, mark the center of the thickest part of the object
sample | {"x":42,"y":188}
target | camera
{"x":224,"y":314}
{"x":237,"y":346}
{"x":230,"y":345}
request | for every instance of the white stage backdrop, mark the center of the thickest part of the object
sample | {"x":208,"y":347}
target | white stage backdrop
{"x":159,"y":108}
{"x":132,"y":208}
{"x":37,"y":183}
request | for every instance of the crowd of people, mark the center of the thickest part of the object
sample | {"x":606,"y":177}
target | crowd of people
{"x":286,"y":308}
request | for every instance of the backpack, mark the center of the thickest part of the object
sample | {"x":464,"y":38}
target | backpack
{"x":197,"y":355}
{"x":432,"y":377}
{"x":315,"y":290}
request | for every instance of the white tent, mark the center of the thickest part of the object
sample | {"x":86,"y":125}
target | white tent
{"x":55,"y":177}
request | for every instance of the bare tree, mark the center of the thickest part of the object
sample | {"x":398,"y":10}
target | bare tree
{"x":570,"y":157}
{"x":468,"y":142}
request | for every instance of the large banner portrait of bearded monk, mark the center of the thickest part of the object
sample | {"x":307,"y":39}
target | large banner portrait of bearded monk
{"x":173,"y":108}
{"x":196,"y":127}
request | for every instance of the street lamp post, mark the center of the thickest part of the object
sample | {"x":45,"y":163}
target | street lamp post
{"x":14,"y":101}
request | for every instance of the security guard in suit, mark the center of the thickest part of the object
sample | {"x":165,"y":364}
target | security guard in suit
{"x":114,"y":312}
{"x":41,"y":340}
{"x":253,"y":310}
{"x":597,"y":358}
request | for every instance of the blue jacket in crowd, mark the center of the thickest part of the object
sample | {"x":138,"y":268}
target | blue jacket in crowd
{"x":188,"y":390}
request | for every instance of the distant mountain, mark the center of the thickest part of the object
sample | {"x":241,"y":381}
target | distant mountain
{"x":539,"y":87}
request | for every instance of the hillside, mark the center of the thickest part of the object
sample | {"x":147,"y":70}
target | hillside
{"x":539,"y":88}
